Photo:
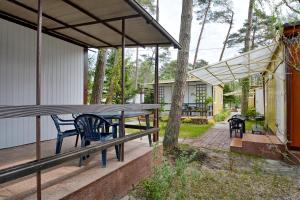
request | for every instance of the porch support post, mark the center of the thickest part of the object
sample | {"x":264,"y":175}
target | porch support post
{"x":156,"y":100}
{"x":85,"y":75}
{"x":122,"y":125}
{"x":38,"y":95}
{"x":264,"y":94}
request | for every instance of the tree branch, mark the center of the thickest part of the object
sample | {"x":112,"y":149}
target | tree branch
{"x":290,"y":7}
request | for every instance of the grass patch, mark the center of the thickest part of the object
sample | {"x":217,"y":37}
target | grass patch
{"x":250,"y":123}
{"x":193,"y":174}
{"x":187,"y":130}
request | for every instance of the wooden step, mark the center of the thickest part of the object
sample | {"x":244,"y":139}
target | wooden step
{"x":236,"y":145}
{"x":268,"y":146}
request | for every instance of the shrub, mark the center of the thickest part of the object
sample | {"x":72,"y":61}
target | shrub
{"x":187,"y":120}
{"x":222,"y":116}
{"x":251,"y":113}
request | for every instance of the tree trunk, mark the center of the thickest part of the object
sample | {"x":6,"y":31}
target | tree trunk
{"x":97,"y":90}
{"x":172,"y":129}
{"x":245,"y":81}
{"x":201,"y":32}
{"x":227,"y":36}
{"x":114,"y":80}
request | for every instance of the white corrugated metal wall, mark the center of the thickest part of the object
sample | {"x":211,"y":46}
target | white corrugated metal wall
{"x":62,"y":79}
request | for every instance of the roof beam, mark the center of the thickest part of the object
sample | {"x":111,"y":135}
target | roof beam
{"x":213,"y":75}
{"x":31,"y":25}
{"x":99,"y":20}
{"x":60,"y":22}
{"x":230,"y":70}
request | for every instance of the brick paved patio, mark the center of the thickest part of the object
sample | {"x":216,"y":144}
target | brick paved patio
{"x":215,"y":138}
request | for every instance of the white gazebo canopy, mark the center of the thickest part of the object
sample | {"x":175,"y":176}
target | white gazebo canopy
{"x":252,"y":62}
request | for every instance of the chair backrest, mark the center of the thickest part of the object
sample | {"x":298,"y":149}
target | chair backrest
{"x":74,"y":115}
{"x":56,"y":121}
{"x":234,"y":122}
{"x":90,"y":126}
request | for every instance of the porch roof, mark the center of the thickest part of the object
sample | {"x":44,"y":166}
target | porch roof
{"x":252,"y":62}
{"x":91,"y":23}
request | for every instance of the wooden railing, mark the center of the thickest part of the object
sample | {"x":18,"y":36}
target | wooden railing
{"x":28,"y":168}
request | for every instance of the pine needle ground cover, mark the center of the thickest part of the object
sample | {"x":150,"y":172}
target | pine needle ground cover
{"x":207,"y":174}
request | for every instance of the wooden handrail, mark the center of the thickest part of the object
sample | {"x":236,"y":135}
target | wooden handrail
{"x":28,"y":168}
{"x":9,"y":111}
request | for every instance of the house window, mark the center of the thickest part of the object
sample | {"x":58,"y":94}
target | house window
{"x":201,"y":91}
{"x":161,"y":96}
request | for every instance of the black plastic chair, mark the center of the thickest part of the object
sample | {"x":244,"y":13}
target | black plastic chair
{"x":58,"y":122}
{"x":236,"y":125}
{"x":95,"y":128}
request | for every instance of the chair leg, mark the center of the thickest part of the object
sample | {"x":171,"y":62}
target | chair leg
{"x":76,"y":143}
{"x":81,"y":157}
{"x":150,"y":140}
{"x":59,"y":142}
{"x":104,"y":157}
{"x":115,"y":135}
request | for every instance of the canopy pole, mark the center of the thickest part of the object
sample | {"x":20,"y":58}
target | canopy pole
{"x":122,"y":125}
{"x":38,"y":96}
{"x":156,"y":97}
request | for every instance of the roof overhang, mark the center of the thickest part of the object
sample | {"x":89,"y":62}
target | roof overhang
{"x":91,"y":23}
{"x":252,"y":62}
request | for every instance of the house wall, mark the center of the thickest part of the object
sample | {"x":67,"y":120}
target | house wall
{"x":275,"y":89}
{"x":217,"y":99}
{"x":62,"y":79}
{"x":190,"y":91}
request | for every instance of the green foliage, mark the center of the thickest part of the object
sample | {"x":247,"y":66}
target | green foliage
{"x":263,"y":33}
{"x":149,"y":97}
{"x":113,"y":75}
{"x":251,"y":113}
{"x":207,"y":174}
{"x":222,"y":116}
{"x":186,"y":130}
{"x":200,"y":63}
{"x":218,"y":10}
{"x":187,"y":120}
{"x":167,"y":71}
{"x":231,"y":99}
{"x":158,"y":186}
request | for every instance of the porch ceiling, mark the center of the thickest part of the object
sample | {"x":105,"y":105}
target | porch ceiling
{"x":241,"y":66}
{"x":91,"y":23}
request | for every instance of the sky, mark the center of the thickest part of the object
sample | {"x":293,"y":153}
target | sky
{"x":213,"y":36}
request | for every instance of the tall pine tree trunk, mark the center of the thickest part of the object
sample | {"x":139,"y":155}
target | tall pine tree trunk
{"x":97,"y":90}
{"x":172,"y":130}
{"x":227,"y":36}
{"x":245,"y":81}
{"x":201,"y":32}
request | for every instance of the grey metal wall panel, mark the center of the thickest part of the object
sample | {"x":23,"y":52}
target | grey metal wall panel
{"x":62,"y":79}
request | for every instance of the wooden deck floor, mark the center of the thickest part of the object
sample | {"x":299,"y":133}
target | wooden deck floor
{"x":68,"y":178}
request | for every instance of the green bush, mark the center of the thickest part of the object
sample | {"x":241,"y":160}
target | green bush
{"x":251,"y":113}
{"x":222,"y":116}
{"x":187,"y":120}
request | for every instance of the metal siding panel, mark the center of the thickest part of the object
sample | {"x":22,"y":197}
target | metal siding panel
{"x":62,"y":79}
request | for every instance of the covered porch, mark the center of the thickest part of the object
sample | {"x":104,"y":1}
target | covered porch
{"x":48,"y":33}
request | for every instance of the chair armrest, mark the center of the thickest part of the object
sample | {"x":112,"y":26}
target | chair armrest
{"x":66,"y":123}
